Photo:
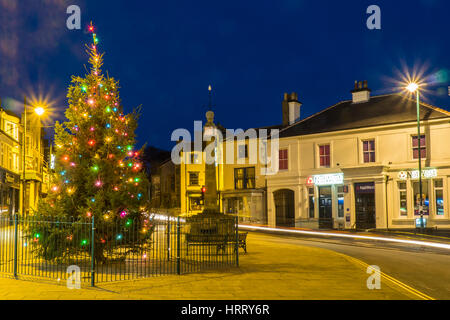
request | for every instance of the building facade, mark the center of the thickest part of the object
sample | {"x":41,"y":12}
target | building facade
{"x":10,"y":168}
{"x":12,"y":163}
{"x":355,"y":165}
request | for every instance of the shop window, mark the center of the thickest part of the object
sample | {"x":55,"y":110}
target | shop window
{"x":244,"y":178}
{"x":284,"y":160}
{"x":311,"y":202}
{"x":324,"y":156}
{"x":369,"y":151}
{"x":193,"y":178}
{"x":340,"y":195}
{"x":195,"y":204}
{"x":423,"y":147}
{"x":439,"y":196}
{"x":425,"y":197}
{"x":403,"y":197}
{"x":243,"y":151}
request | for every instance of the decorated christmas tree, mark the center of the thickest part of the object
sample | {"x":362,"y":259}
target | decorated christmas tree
{"x":98,"y":172}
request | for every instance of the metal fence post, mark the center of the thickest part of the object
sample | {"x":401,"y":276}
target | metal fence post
{"x":16,"y":228}
{"x":93,"y":252}
{"x":168,"y":238}
{"x":178,"y":247}
{"x":237,"y":240}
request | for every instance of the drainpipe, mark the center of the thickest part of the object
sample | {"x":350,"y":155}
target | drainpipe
{"x":387,"y":209}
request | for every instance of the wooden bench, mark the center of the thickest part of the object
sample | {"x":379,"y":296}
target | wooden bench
{"x":217,"y":240}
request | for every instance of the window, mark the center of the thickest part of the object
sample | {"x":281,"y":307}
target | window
{"x":194,"y":204}
{"x":193,"y":178}
{"x":284,"y":161}
{"x":425,"y":197}
{"x":194,"y":158}
{"x":423,"y":147}
{"x":244,"y":178}
{"x":311,"y":202}
{"x":11,"y":130}
{"x":403,"y":198}
{"x":340,"y":196}
{"x":369,"y":151}
{"x":439,"y":196}
{"x":324,"y":156}
{"x":243,"y":151}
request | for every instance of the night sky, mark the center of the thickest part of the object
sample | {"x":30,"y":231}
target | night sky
{"x":166,"y":53}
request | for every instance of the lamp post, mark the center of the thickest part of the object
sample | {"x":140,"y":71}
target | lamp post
{"x":414,"y":87}
{"x":39,"y":110}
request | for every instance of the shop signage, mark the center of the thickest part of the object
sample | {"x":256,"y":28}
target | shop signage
{"x":365,"y":187}
{"x":328,"y":179}
{"x":426,"y":174}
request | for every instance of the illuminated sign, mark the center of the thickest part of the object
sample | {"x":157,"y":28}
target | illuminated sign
{"x":328,"y":179}
{"x":310,"y":181}
{"x":52,"y":161}
{"x":426,"y":173}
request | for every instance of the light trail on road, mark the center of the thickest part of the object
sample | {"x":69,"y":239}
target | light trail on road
{"x":340,"y":235}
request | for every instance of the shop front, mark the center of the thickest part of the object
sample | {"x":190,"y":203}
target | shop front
{"x":249,"y":205}
{"x":9,"y":193}
{"x":328,"y":211}
{"x":433,"y":192}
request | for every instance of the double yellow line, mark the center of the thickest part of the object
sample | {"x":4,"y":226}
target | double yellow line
{"x":402,"y":285}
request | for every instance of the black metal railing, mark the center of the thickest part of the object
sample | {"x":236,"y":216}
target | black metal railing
{"x":125,"y":249}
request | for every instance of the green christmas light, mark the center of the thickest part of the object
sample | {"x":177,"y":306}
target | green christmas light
{"x":84,"y":242}
{"x":108,"y":109}
{"x":129,"y":223}
{"x":95,"y":168}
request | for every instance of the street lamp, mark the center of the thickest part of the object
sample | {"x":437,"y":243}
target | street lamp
{"x":414,"y":87}
{"x":39,"y":111}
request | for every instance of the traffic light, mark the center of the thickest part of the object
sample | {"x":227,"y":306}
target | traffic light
{"x":202,"y":199}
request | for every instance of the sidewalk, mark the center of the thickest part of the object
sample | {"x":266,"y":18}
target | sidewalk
{"x":268,"y":271}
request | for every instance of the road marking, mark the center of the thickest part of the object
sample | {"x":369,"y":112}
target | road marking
{"x":340,"y":235}
{"x":389,"y":278}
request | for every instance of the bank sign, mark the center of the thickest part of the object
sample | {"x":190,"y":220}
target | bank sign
{"x":414,"y":175}
{"x":326,"y":179}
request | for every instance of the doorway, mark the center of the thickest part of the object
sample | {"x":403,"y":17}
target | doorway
{"x":325,"y":208}
{"x":365,"y":206}
{"x":284,"y":208}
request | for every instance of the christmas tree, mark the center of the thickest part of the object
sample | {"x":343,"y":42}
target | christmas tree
{"x":98,"y":172}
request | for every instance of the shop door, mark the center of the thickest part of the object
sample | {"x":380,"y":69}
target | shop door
{"x":365,"y":206}
{"x":325,"y":208}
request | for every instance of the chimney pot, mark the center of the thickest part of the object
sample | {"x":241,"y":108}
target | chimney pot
{"x":361,"y":93}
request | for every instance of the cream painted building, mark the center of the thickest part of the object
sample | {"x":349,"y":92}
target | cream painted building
{"x":11,"y":163}
{"x":355,"y":165}
{"x":240,"y":186}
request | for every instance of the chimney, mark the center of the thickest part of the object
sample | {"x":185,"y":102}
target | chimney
{"x":291,"y":109}
{"x":361,"y":92}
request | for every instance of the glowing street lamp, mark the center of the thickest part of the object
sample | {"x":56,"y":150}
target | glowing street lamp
{"x":39,"y":111}
{"x":414,"y":88}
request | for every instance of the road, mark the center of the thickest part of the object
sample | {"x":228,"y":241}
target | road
{"x":425,"y":270}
